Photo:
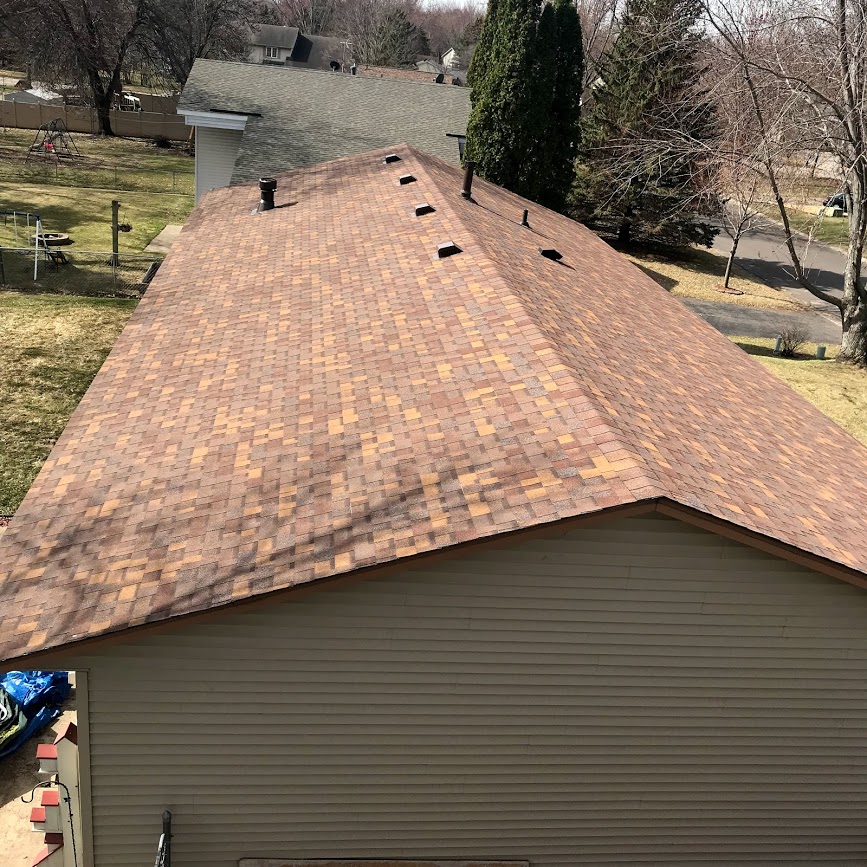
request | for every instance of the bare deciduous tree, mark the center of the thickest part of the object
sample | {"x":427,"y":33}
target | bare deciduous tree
{"x":805,"y":69}
{"x":81,"y":42}
{"x":598,"y":31}
{"x":176,"y":32}
{"x":312,"y":17}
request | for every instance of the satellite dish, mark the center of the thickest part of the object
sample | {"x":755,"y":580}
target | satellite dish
{"x":335,"y":66}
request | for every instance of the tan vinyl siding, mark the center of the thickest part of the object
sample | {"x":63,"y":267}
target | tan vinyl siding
{"x":216,"y":151}
{"x":644,"y":693}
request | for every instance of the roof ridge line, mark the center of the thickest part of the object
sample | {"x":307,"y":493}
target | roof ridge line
{"x":602,"y":413}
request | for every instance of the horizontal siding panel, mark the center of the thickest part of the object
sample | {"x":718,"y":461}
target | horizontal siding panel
{"x":640,"y":693}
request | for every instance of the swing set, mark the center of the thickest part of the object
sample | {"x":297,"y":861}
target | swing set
{"x":53,"y":141}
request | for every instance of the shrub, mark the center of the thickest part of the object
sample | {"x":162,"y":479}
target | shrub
{"x":792,"y":339}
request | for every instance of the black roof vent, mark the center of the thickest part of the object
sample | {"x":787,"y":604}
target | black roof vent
{"x":551,"y":253}
{"x":424,"y":208}
{"x":391,"y":158}
{"x":449,"y":248}
{"x":406,"y":179}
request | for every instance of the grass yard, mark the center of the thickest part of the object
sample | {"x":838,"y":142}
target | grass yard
{"x":76,"y":204}
{"x":828,"y":230}
{"x":50,"y":349}
{"x":106,"y":162}
{"x":695,"y":273}
{"x":86,"y":214}
{"x":838,"y":390}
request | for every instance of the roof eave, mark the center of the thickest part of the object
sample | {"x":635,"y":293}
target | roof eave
{"x":213,"y":119}
{"x":57,"y":657}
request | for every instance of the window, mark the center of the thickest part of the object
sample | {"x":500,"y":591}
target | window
{"x":272,"y":52}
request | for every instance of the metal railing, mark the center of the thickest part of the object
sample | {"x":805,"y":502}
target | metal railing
{"x":164,"y":848}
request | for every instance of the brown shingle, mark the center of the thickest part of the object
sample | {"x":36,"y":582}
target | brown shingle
{"x":312,"y":390}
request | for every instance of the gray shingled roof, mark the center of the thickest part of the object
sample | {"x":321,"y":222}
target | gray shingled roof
{"x":274,"y":36}
{"x":309,"y":117}
{"x":317,"y":52}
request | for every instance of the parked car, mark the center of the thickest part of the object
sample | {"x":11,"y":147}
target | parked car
{"x":835,"y":200}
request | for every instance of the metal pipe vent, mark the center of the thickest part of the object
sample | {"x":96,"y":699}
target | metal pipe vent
{"x":267,"y":187}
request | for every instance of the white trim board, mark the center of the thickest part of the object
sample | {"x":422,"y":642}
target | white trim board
{"x":214,"y":119}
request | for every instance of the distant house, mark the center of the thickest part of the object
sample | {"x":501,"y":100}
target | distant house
{"x":257,"y":120}
{"x":451,"y":58}
{"x":395,"y":533}
{"x":439,"y":76}
{"x":438,"y":70}
{"x":287,"y":46}
{"x":35,"y":95}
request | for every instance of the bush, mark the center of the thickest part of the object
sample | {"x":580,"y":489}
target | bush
{"x":791,"y":340}
{"x":162,"y":142}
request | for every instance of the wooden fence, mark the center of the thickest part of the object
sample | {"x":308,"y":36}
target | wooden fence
{"x":139,"y":124}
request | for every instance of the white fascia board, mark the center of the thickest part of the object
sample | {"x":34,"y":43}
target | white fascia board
{"x":214,"y":119}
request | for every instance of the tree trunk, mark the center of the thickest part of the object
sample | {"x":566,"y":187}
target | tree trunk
{"x":624,"y":233}
{"x":854,"y":344}
{"x":102,"y":97}
{"x":731,"y":259}
{"x":103,"y":113}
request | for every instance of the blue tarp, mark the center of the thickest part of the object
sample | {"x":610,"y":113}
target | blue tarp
{"x":32,"y":700}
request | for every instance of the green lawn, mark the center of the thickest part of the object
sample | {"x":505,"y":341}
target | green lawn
{"x":78,"y":202}
{"x":838,"y":390}
{"x":50,"y":349}
{"x":696,"y":273}
{"x":105,"y":162}
{"x":828,"y":230}
{"x":85,"y":215}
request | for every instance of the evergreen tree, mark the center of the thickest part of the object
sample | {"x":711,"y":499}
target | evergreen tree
{"x":640,"y":174}
{"x":563,"y":133}
{"x":526,"y":89}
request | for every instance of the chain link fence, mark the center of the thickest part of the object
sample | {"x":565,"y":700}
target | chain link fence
{"x":62,"y":271}
{"x":109,"y":177}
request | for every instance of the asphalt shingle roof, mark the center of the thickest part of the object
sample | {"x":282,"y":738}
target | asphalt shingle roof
{"x":312,"y":390}
{"x":274,"y":36}
{"x":309,"y":117}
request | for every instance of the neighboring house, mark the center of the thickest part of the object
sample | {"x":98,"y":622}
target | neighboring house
{"x":450,"y":75}
{"x":287,"y":46}
{"x":412,"y":74}
{"x":451,"y":58}
{"x":35,"y":95}
{"x":252,"y":121}
{"x":383,"y":534}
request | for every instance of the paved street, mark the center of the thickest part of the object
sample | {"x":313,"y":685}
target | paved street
{"x":750,"y":322}
{"x":763,"y":253}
